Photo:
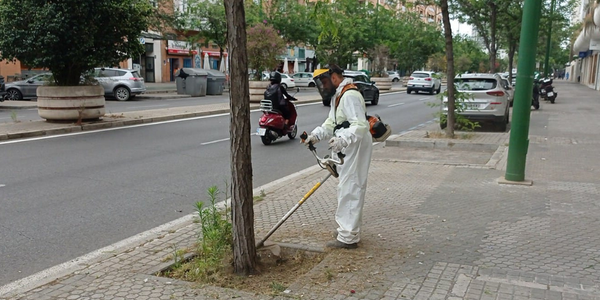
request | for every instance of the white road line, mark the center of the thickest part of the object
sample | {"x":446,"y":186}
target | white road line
{"x":112,"y":129}
{"x":423,"y":99}
{"x":397,"y":104}
{"x":214,"y":142}
{"x":2,"y":185}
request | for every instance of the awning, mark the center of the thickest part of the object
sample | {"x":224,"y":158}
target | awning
{"x":182,"y":51}
{"x":215,"y":53}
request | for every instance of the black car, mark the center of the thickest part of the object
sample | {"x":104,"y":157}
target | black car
{"x":366,"y":87}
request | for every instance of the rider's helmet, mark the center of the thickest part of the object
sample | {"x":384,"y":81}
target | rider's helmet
{"x":275,"y":77}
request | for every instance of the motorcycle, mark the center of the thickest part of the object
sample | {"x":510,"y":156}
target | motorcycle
{"x":547,"y":90}
{"x":271,"y":125}
{"x":535,"y":97}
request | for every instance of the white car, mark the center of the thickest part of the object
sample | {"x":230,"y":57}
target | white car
{"x":304,"y":79}
{"x":424,"y":81}
{"x":487,"y":100}
{"x":394,"y":76}
{"x":287,"y":81}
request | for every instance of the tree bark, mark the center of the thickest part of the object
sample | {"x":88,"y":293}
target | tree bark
{"x":450,"y":69}
{"x":244,"y":248}
{"x":493,"y":47}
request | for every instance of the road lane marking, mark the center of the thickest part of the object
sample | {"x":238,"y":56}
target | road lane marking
{"x":113,"y":129}
{"x":397,"y":104}
{"x":214,"y":142}
{"x":2,"y":185}
{"x":423,"y":99}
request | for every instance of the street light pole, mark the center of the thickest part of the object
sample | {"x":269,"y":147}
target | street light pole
{"x":519,"y":134}
{"x":546,"y":62}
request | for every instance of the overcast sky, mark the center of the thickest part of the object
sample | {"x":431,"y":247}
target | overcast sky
{"x":460,"y":28}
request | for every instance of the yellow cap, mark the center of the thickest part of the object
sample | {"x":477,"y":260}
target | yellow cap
{"x":319,"y":72}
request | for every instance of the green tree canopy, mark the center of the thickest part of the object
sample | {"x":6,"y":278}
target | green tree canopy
{"x":70,"y":37}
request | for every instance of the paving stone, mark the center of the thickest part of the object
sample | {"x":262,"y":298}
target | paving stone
{"x":431,"y":229}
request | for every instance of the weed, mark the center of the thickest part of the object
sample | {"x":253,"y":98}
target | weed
{"x":178,"y":256}
{"x":262,"y":193}
{"x":115,"y":116}
{"x":460,"y":105}
{"x":328,"y":274}
{"x":215,"y":244}
{"x":277,"y":287}
{"x":257,"y":198}
{"x":13,"y":116}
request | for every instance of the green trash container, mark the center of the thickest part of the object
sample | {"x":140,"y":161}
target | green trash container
{"x":216,"y":82}
{"x":195,"y":83}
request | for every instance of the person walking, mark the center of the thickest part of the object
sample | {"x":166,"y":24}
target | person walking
{"x":347,"y":130}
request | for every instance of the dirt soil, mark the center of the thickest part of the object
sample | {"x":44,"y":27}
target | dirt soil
{"x":275,"y":273}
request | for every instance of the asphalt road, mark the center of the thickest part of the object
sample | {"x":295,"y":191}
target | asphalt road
{"x":64,"y":196}
{"x":114,"y":107}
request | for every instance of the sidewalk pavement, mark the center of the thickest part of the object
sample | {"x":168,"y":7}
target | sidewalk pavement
{"x":436,"y":224}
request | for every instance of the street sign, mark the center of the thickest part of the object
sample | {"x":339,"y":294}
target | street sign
{"x":142,"y":41}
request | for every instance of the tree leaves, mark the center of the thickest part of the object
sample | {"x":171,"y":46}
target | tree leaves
{"x":70,"y":37}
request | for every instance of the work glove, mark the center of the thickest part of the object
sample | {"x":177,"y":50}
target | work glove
{"x":336,"y":144}
{"x":311,"y":139}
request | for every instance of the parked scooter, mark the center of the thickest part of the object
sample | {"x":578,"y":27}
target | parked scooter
{"x":271,"y":125}
{"x":535,"y":97}
{"x":547,"y":90}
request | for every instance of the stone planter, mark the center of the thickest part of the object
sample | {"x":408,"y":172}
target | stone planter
{"x":257,"y":90}
{"x":383,"y":83}
{"x":70,"y":103}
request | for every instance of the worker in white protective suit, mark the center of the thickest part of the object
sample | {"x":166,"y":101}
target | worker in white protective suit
{"x":347,"y":131}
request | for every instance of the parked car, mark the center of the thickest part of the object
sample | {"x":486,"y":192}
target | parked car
{"x":304,"y":79}
{"x":287,"y":81}
{"x":26,"y":89}
{"x":423,"y":81}
{"x":509,"y":90}
{"x":367,"y":88}
{"x":487,"y":100}
{"x":122,"y":84}
{"x":394,"y":76}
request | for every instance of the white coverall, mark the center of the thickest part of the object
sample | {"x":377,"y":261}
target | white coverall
{"x":353,"y":173}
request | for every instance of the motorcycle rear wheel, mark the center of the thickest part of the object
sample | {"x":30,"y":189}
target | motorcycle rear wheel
{"x":292,"y":135}
{"x":266,"y":140}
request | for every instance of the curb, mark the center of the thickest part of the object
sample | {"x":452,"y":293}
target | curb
{"x":440,"y":144}
{"x":121,"y":123}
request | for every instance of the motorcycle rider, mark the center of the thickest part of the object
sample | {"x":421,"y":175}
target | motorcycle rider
{"x":278,"y":95}
{"x":355,"y":142}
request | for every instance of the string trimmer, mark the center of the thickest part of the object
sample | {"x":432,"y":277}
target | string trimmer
{"x":327,"y":163}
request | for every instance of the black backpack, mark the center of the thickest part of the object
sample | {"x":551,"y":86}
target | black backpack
{"x":274,"y":94}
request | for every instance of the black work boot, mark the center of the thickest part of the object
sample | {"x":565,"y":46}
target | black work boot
{"x":340,"y":245}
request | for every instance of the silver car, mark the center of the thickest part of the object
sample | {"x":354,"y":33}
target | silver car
{"x":304,"y":79}
{"x":487,"y":100}
{"x":26,"y":89}
{"x":394,"y":76}
{"x":424,"y":81}
{"x":123,"y":84}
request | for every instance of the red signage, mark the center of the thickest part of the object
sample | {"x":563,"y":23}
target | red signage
{"x":182,"y":51}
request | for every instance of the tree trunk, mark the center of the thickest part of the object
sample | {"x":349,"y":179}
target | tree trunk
{"x":493,"y":48}
{"x":450,"y":67}
{"x":244,"y":248}
{"x":512,"y":48}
